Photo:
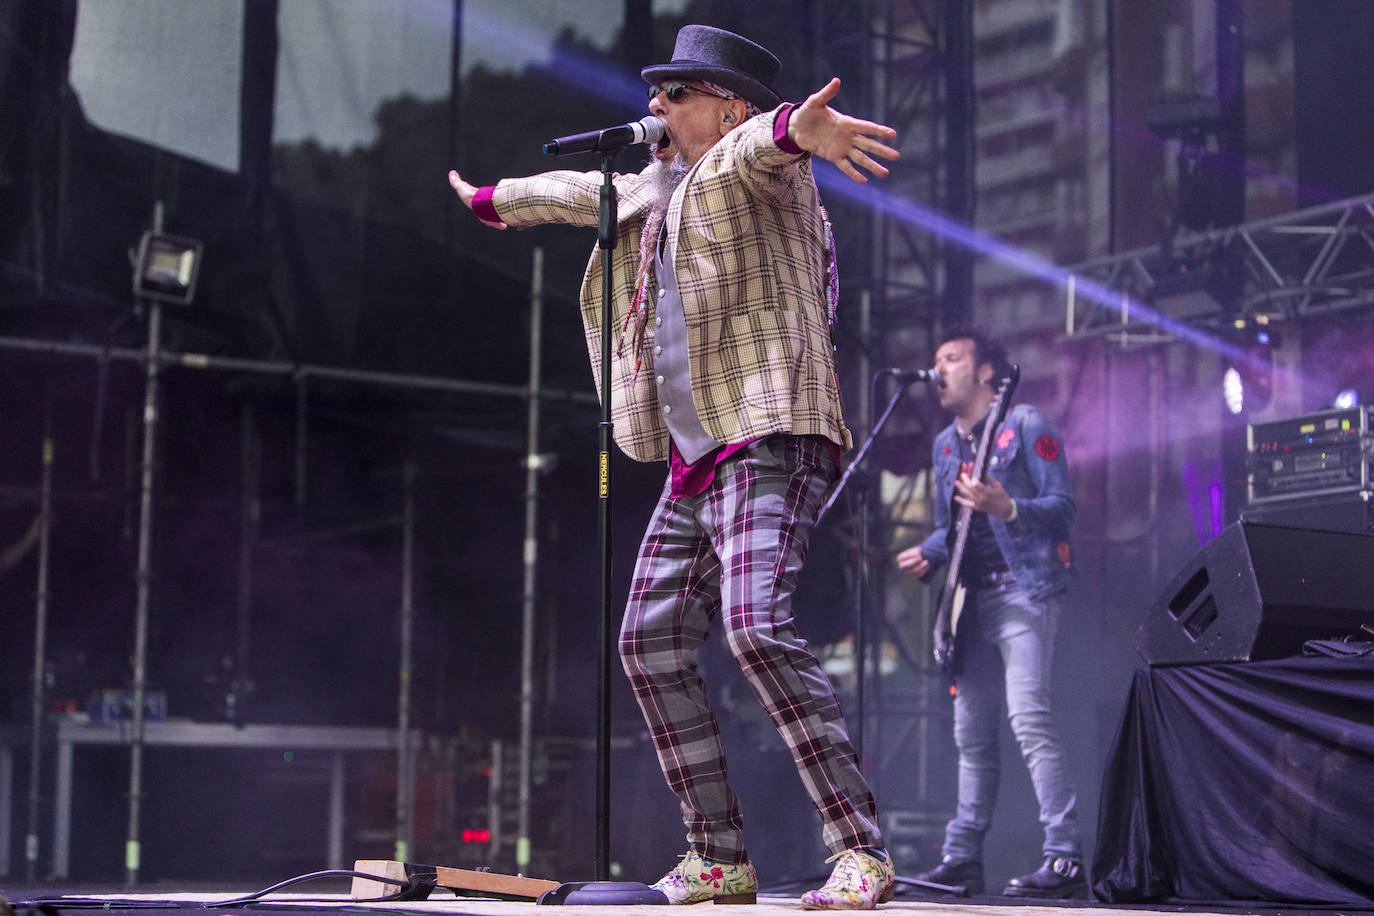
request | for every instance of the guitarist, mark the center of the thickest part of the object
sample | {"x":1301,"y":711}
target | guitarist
{"x":1016,"y":565}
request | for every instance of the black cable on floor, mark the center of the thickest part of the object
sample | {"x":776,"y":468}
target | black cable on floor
{"x":408,"y":888}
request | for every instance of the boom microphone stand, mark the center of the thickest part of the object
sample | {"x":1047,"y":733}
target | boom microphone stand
{"x":905,"y":381}
{"x":861,"y":580}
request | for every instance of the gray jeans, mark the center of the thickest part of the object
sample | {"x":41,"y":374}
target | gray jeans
{"x":1007,"y":652}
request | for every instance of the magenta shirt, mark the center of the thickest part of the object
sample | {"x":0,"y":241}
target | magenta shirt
{"x":693,"y":479}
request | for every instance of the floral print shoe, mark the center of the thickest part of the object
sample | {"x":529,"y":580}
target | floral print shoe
{"x":696,"y":880}
{"x":861,"y":880}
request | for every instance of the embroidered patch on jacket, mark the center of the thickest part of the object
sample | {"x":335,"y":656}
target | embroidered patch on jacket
{"x":1047,"y":447}
{"x":1065,"y":553}
{"x":946,"y":449}
{"x":1005,"y":437}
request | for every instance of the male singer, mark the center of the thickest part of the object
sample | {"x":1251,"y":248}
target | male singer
{"x":725,"y":370}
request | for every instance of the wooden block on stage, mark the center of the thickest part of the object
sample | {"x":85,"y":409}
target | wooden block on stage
{"x":367,"y":889}
{"x":460,"y":880}
{"x":489,"y":882}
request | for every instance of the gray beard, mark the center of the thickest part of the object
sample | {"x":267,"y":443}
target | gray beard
{"x":666,"y":176}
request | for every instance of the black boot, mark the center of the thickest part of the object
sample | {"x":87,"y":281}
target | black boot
{"x":952,"y":873}
{"x":1057,"y":879}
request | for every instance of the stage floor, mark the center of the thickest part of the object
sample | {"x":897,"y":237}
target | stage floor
{"x":443,"y":901}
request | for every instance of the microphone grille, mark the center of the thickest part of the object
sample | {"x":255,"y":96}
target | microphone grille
{"x":653,"y":128}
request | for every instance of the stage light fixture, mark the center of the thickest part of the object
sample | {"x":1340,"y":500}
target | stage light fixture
{"x":1346,"y":398}
{"x":1184,"y":294}
{"x":1190,"y":117}
{"x":1199,"y":123}
{"x":1233,"y":390}
{"x":167,"y":267}
{"x":1248,"y":382}
{"x":1204,"y":287}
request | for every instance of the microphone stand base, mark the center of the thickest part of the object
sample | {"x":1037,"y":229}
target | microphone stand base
{"x":603,"y":893}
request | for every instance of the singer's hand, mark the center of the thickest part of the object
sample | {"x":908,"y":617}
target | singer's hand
{"x":466,"y":191}
{"x":838,"y":138}
{"x":980,"y":496}
{"x":913,"y":562}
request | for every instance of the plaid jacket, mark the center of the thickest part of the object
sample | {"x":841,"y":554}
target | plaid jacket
{"x":751,"y":267}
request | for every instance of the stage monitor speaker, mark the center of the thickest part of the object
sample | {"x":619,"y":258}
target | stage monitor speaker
{"x":1353,"y":512}
{"x":1259,"y":592}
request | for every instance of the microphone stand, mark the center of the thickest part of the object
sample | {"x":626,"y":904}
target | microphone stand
{"x":861,"y":597}
{"x":606,"y":241}
{"x":861,"y":580}
{"x":603,"y":891}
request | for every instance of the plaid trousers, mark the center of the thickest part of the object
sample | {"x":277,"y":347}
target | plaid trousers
{"x":738,"y":547}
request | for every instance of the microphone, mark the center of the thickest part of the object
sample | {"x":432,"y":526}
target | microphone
{"x":907,"y":376}
{"x":645,"y":130}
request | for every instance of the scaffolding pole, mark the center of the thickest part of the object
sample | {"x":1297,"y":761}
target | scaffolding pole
{"x":534,"y":464}
{"x":40,"y":652}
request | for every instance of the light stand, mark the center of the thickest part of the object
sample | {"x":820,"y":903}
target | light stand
{"x":165,"y":270}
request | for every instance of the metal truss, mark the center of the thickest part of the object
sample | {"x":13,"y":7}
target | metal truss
{"x":893,"y":51}
{"x":909,"y":67}
{"x":1285,"y":268}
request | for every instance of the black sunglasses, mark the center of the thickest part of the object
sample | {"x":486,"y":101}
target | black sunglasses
{"x":675,"y":92}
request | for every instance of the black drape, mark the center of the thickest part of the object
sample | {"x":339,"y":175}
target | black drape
{"x":1251,"y":781}
{"x":35,"y":44}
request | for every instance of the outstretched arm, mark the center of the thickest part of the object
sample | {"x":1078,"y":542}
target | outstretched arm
{"x":466,"y":191}
{"x":850,"y":143}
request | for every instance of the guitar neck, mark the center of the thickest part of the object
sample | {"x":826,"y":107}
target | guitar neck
{"x":997,"y":411}
{"x":956,"y":554}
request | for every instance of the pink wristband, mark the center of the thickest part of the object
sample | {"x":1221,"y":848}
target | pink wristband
{"x":483,"y":207}
{"x":780,"y":137}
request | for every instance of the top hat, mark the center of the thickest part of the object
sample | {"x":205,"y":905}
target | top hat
{"x":730,"y":61}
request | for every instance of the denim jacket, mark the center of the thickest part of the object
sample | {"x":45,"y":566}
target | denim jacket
{"x":1028,"y":459}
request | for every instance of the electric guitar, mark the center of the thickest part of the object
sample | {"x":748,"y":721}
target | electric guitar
{"x":953,"y":595}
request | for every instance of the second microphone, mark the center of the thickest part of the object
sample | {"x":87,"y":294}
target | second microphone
{"x":907,"y":376}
